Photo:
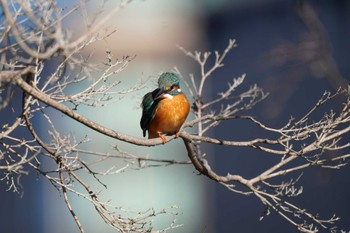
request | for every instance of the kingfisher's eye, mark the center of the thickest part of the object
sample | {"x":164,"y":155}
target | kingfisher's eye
{"x":170,"y":88}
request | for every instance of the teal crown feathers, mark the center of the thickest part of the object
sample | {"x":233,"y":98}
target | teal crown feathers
{"x":168,"y":79}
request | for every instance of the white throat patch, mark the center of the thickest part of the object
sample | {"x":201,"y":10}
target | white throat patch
{"x":167,"y":96}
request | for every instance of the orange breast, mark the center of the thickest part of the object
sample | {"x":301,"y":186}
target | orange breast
{"x":169,"y":116}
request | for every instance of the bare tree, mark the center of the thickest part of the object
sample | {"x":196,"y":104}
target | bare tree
{"x":33,"y":35}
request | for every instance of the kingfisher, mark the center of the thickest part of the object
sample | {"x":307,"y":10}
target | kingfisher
{"x":165,"y":109}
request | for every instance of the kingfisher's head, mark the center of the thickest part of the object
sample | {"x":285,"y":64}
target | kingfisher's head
{"x":169,"y":86}
{"x":167,"y":81}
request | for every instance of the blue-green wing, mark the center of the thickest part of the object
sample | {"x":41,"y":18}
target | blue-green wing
{"x":149,"y":105}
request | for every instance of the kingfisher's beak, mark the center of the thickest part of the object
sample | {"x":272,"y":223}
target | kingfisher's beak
{"x":158,"y":93}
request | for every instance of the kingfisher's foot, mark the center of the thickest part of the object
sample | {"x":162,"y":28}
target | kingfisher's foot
{"x":176,"y":134}
{"x":163,"y":138}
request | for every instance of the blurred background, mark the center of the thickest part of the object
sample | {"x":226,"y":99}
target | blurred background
{"x":295,"y":50}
